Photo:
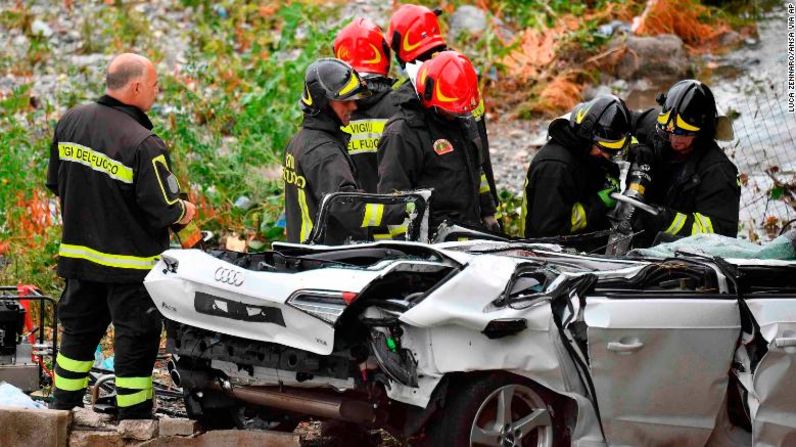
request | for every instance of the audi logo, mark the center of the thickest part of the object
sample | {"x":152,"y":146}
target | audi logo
{"x":229,"y":276}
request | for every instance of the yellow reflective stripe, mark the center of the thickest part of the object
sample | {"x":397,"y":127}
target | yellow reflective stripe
{"x":395,"y":230}
{"x":684,"y":125}
{"x":400,"y":82}
{"x":306,"y":222}
{"x":95,"y":160}
{"x":162,"y":160}
{"x":618,"y":144}
{"x":392,"y":232}
{"x":368,"y":146}
{"x":107,"y":259}
{"x":128,"y":400}
{"x":77,"y":366}
{"x":663,"y":118}
{"x":478,"y":112}
{"x":677,"y":224}
{"x":484,"y":187}
{"x":633,"y":140}
{"x":134,"y":383}
{"x":370,"y":127}
{"x":353,"y":82}
{"x":365,"y":135}
{"x":706,"y":222}
{"x":702,"y":224}
{"x":578,"y":218}
{"x":65,"y":384}
{"x":373,"y":215}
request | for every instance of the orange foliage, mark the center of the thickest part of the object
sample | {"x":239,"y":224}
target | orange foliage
{"x":680,"y":17}
{"x":536,"y":50}
{"x":33,"y":218}
{"x":560,"y":94}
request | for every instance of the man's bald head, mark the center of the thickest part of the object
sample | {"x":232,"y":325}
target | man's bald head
{"x":123,"y":69}
{"x":131,"y":78}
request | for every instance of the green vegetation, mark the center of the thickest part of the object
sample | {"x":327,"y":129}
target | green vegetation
{"x":226,"y":114}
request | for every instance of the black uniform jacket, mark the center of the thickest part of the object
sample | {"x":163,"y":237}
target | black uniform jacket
{"x":407,"y":89}
{"x":562,"y":184}
{"x":316,"y":164}
{"x":421,"y":150}
{"x":701,"y":194}
{"x":365,"y":129}
{"x":118,"y":195}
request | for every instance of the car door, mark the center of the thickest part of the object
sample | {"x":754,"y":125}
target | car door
{"x":659,"y":361}
{"x":772,"y":404}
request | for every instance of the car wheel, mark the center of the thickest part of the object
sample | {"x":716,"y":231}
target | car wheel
{"x":498,"y":410}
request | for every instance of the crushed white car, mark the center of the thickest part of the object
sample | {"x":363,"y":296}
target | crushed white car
{"x":486,"y":342}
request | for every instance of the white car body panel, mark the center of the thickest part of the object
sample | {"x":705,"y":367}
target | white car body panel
{"x":483,"y":280}
{"x":196,"y":272}
{"x":660,"y":366}
{"x":773,"y":390}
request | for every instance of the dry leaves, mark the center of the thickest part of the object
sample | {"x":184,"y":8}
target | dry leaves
{"x":682,"y":18}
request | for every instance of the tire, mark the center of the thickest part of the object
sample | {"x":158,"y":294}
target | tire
{"x":471,"y":414}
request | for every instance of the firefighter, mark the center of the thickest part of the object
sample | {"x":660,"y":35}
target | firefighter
{"x":316,"y":159}
{"x":432,"y":143}
{"x":693,"y":183}
{"x":361,"y":44}
{"x":118,"y":198}
{"x":569,"y":182}
{"x":415,"y":37}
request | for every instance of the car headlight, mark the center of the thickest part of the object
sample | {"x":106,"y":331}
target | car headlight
{"x":322,"y":304}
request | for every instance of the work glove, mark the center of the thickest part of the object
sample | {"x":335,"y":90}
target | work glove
{"x":652,"y":224}
{"x":605,"y":197}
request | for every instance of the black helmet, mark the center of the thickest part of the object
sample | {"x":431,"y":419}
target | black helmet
{"x":688,"y":108}
{"x":604,"y":121}
{"x":330,"y":79}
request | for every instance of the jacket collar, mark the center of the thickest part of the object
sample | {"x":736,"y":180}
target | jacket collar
{"x":325,"y":123}
{"x":134,"y":112}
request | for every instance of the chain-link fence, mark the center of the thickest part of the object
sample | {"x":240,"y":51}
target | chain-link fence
{"x":764,"y":149}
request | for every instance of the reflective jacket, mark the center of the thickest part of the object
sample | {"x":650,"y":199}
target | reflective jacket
{"x":316,"y":164}
{"x":421,"y":150}
{"x":562,"y":184}
{"x":365,"y":129}
{"x":700,"y":194}
{"x":117,"y":193}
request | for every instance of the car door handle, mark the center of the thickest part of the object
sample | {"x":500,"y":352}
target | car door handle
{"x":785,"y":342}
{"x":617,"y":346}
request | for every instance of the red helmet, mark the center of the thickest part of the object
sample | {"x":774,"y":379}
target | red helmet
{"x":413,"y":31}
{"x":362,"y":45}
{"x":448,"y":81}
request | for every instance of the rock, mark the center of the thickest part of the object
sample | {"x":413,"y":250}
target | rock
{"x":138,"y":429}
{"x":730,"y":39}
{"x":40,"y":28}
{"x":177,"y":427}
{"x":98,"y":439}
{"x":41,"y":428}
{"x":662,"y":59}
{"x":86,"y":417}
{"x":467,"y":18}
{"x":592,"y":92}
{"x":231,"y":438}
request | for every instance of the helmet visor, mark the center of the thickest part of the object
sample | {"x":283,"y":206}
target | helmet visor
{"x":614,"y":147}
{"x":354,"y":89}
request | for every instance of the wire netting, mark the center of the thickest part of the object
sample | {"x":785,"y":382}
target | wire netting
{"x":764,"y":150}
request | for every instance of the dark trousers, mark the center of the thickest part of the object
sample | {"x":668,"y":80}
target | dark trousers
{"x":85,"y":310}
